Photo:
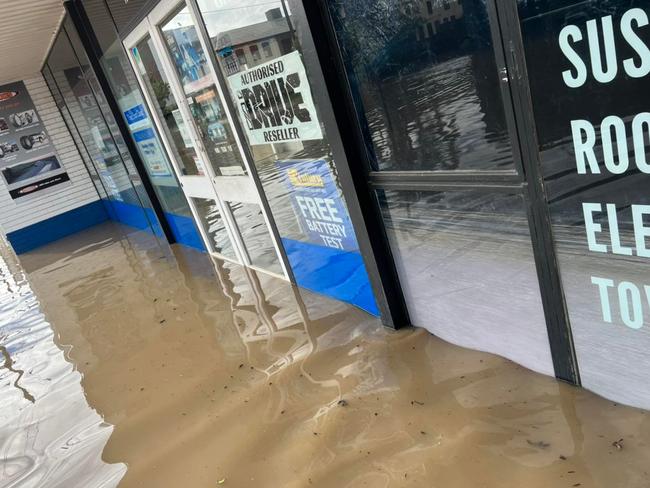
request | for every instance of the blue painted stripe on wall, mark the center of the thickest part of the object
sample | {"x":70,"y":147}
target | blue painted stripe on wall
{"x":55,"y":228}
{"x":185,"y":231}
{"x":134,"y":216}
{"x":183,"y":228}
{"x":332,"y":272}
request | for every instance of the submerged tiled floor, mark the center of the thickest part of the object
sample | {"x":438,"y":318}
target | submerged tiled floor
{"x":155,"y":367}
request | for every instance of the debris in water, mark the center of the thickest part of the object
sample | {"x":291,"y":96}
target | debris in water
{"x":342,"y":403}
{"x":415,"y":402}
{"x":221,"y":481}
{"x":618,"y":444}
{"x":539,"y":444}
{"x":562,"y":457}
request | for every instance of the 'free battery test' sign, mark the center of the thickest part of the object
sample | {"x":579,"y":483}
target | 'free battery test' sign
{"x":318,"y":203}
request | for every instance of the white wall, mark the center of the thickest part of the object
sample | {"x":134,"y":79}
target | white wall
{"x":15,"y":214}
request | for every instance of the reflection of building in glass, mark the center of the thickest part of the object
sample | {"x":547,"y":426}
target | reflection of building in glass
{"x":244,"y":47}
{"x":435,"y":13}
{"x":185,"y":49}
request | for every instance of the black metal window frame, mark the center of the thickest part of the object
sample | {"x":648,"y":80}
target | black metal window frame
{"x":526,"y":180}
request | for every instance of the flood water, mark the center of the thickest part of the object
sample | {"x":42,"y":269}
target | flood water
{"x":125,"y":362}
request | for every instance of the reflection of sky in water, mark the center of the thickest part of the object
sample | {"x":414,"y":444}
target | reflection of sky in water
{"x":48,"y":432}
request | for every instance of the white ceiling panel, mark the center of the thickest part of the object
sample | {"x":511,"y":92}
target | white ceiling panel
{"x":27,"y":28}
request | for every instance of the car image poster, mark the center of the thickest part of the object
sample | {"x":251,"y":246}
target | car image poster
{"x":28,"y":160}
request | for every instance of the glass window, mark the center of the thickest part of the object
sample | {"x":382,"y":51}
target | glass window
{"x":133,"y":193}
{"x":241,"y":57}
{"x":466,"y":266}
{"x":157,"y":84}
{"x":266,"y":46}
{"x":74,"y":132}
{"x":119,"y":73}
{"x":281,"y":121}
{"x":255,"y":52}
{"x":256,"y":236}
{"x":213,"y":224}
{"x":99,"y":144}
{"x":193,"y":70}
{"x":589,"y":67}
{"x":425,"y":102}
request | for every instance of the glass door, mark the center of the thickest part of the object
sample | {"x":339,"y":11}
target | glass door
{"x":170,"y":60}
{"x":430,"y":89}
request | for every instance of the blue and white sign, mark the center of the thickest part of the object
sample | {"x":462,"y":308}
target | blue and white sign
{"x":151,"y":152}
{"x":318,"y":203}
{"x":135,"y":114}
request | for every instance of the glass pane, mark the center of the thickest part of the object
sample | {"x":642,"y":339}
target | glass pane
{"x":256,"y":236}
{"x":425,"y":83}
{"x":276,"y":99}
{"x":89,"y":116}
{"x":466,"y":266}
{"x":214,"y":226}
{"x":157,"y":85}
{"x":124,"y":85}
{"x":201,"y":93}
{"x":136,"y":196}
{"x":74,"y":132}
{"x":594,"y":160}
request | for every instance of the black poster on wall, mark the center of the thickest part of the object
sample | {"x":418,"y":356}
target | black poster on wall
{"x":28,"y":159}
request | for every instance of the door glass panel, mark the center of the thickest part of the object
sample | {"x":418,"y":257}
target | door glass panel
{"x":214,"y":226}
{"x":157,"y":85}
{"x":256,"y":236}
{"x":425,"y":84}
{"x":276,"y":99}
{"x":197,"y":82}
{"x":466,"y":266}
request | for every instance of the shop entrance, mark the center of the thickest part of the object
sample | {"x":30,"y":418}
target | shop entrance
{"x":173,"y":66}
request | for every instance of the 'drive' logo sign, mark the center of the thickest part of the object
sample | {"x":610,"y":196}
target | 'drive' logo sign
{"x":275,"y":101}
{"x":8,"y":95}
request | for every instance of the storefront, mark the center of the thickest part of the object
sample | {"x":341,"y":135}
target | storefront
{"x":474,"y":168}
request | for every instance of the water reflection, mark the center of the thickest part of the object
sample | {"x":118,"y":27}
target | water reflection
{"x":216,"y":374}
{"x":425,"y":83}
{"x":48,"y":431}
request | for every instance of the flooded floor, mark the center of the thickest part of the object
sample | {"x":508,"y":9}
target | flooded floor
{"x":125,"y":362}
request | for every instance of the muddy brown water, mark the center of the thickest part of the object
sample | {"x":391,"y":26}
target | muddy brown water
{"x":125,"y":362}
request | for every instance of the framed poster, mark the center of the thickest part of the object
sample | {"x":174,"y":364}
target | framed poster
{"x":28,"y":159}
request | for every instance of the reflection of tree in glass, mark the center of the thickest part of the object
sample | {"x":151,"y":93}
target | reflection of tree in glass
{"x":162,"y":93}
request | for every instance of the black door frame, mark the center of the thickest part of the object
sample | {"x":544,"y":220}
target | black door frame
{"x":528,"y":181}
